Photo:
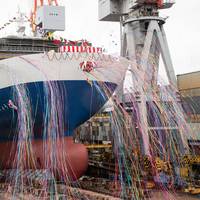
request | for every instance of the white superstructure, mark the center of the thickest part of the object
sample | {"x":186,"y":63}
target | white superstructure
{"x":58,"y":66}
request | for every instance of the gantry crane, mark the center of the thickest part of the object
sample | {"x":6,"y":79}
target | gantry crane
{"x":47,"y":16}
{"x":143,"y":38}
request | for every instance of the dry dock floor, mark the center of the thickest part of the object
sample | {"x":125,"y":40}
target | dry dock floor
{"x":155,"y":196}
{"x":158,"y":195}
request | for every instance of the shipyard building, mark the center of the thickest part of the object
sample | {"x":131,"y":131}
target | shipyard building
{"x":189,"y":87}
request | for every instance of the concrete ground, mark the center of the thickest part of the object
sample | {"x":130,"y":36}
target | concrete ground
{"x":167,"y":196}
{"x":156,"y":195}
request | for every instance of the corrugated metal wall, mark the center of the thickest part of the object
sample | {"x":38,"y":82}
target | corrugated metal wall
{"x":189,"y":81}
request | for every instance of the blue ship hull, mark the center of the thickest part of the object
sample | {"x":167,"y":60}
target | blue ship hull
{"x":77,"y":100}
{"x":44,"y":97}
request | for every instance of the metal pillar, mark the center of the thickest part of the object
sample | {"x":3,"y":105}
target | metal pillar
{"x":139,"y":43}
{"x":144,"y":38}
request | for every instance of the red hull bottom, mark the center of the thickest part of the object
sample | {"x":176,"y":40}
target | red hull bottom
{"x":67,"y":159}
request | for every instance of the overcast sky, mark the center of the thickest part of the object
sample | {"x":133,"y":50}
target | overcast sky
{"x":182,"y":28}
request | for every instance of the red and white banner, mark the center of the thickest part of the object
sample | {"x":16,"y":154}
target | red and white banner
{"x":80,"y":49}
